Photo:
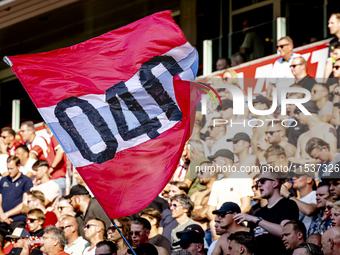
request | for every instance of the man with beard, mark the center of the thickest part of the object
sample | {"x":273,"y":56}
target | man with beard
{"x":86,"y":208}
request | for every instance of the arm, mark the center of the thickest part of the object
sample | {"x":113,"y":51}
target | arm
{"x":269,"y":91}
{"x":218,"y":248}
{"x":331,"y":138}
{"x":18,"y":209}
{"x":272,"y":228}
{"x":326,"y":117}
{"x":335,"y":113}
{"x":306,"y":209}
{"x":210,"y":215}
{"x":58,"y":157}
{"x":245,"y":204}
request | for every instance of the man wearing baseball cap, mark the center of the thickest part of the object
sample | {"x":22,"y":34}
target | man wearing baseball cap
{"x":18,"y":239}
{"x":224,"y":216}
{"x":241,"y":143}
{"x":303,"y":181}
{"x":317,"y":128}
{"x":235,"y":187}
{"x":334,"y":181}
{"x":86,"y":208}
{"x":192,"y":239}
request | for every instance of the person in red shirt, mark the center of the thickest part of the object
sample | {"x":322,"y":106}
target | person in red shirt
{"x":56,"y":157}
{"x":8,"y":143}
{"x":36,"y":144}
{"x":36,"y":200}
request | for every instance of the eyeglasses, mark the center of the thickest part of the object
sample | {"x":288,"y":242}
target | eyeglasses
{"x":254,"y":187}
{"x":336,"y":67}
{"x":89,"y":225}
{"x":263,"y":180}
{"x":271,"y":132}
{"x":293,"y":66}
{"x":30,"y":220}
{"x":282,"y":45}
{"x":137,"y":233}
{"x":63,"y":228}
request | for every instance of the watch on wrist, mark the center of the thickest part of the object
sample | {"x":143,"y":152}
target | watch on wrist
{"x":258,"y":220}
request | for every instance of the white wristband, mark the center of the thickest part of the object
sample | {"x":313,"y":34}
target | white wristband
{"x":7,"y":215}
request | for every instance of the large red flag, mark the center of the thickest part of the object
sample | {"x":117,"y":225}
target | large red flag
{"x":119,"y":106}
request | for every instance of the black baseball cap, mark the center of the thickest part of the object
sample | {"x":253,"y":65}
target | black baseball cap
{"x":311,"y":106}
{"x":191,"y":228}
{"x":189,"y":238}
{"x":225,"y":153}
{"x":261,"y":99}
{"x":77,"y":190}
{"x":226,"y":104}
{"x":144,"y":248}
{"x":239,"y":136}
{"x":228,"y":207}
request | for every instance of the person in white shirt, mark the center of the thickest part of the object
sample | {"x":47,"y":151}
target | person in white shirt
{"x":303,"y":181}
{"x":94,"y":231}
{"x":282,"y":76}
{"x":75,"y":244}
{"x":45,"y":185}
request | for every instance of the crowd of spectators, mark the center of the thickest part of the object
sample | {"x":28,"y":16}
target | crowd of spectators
{"x":269,"y":187}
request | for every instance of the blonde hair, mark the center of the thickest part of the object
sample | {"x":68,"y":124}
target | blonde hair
{"x":336,"y":205}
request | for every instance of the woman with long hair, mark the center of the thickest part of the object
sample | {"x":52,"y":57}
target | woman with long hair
{"x":124,"y":225}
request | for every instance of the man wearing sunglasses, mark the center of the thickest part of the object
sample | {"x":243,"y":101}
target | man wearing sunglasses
{"x":268,"y":222}
{"x":86,"y":207}
{"x":18,"y":239}
{"x":94,"y":231}
{"x":75,"y":243}
{"x":303,"y":181}
{"x":282,"y":76}
{"x":192,"y":239}
{"x":8,"y":141}
{"x":299,"y":70}
{"x":225,"y":217}
{"x":140,"y":231}
{"x":317,"y":128}
{"x":320,"y":94}
{"x":276,"y":135}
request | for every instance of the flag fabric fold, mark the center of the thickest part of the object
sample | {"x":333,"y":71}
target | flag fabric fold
{"x":119,"y":105}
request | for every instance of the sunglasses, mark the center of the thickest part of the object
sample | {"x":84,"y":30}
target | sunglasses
{"x":113,"y":228}
{"x":336,"y":67}
{"x":293,"y":66}
{"x":63,"y":228}
{"x":282,"y":45}
{"x":263,"y":180}
{"x":254,"y":187}
{"x":174,"y":206}
{"x":271,"y":132}
{"x":30,"y":220}
{"x":137,"y":233}
{"x":89,"y":225}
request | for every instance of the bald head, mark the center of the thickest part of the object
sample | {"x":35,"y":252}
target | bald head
{"x":331,"y":241}
{"x":315,"y":239}
{"x":70,"y":220}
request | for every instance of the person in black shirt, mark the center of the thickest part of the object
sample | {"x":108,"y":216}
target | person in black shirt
{"x":268,"y":222}
{"x":154,"y":217}
{"x":299,"y":70}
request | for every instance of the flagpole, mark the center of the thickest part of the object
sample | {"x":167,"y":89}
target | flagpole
{"x":114,"y":223}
